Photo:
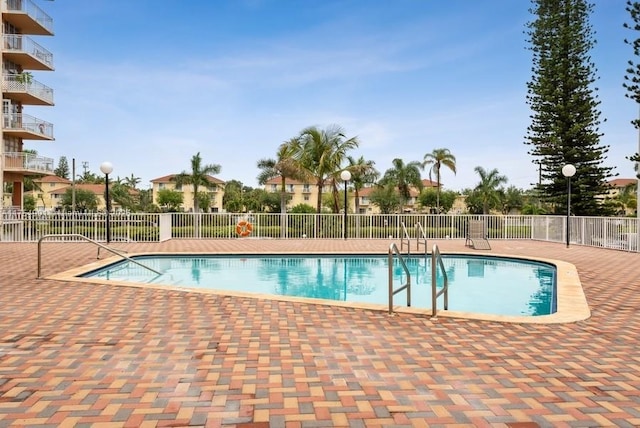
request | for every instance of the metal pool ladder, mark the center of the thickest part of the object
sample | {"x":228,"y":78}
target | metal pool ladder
{"x":393,"y":250}
{"x":436,"y":262}
{"x":76,"y":235}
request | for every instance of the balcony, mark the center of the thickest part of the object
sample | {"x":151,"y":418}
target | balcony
{"x":23,"y":50}
{"x":28,"y":17}
{"x":27,"y":127}
{"x":27,"y":163}
{"x":24,"y":89}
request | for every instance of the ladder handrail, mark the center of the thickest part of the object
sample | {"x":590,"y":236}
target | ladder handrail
{"x":77,"y":235}
{"x":421,"y":238}
{"x":405,"y":236}
{"x":436,"y":262}
{"x":393,"y":249}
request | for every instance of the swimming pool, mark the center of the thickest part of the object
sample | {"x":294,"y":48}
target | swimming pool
{"x":490,"y":285}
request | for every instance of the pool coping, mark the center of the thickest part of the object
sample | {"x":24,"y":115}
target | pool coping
{"x":572,"y":305}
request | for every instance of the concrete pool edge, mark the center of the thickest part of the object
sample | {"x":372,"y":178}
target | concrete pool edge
{"x":572,"y":304}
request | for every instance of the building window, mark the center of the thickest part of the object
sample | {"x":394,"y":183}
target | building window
{"x":160,"y":186}
{"x":274,"y":187}
{"x":290,"y":188}
{"x":306,"y":197}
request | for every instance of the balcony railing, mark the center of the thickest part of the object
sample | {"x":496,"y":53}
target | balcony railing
{"x":27,"y":16}
{"x":27,"y":127}
{"x":26,"y":52}
{"x":27,"y":162}
{"x":25,"y":89}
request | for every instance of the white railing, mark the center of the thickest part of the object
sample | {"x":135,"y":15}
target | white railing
{"x":606,"y":232}
{"x":32,"y":10}
{"x":124,"y":227}
{"x":25,"y":122}
{"x":21,"y":161}
{"x":21,"y":43}
{"x":27,"y":85}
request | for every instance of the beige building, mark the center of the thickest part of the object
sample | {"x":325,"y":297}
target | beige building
{"x":298,"y":192}
{"x":216,"y":192}
{"x":22,"y":55}
{"x":616,"y":186}
{"x":51,"y":190}
{"x":46,"y":193}
{"x":411,"y":206}
{"x":307,"y":193}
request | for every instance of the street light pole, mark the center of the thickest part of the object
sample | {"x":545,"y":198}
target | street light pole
{"x":345,"y":176}
{"x":106,"y":169}
{"x":568,"y":171}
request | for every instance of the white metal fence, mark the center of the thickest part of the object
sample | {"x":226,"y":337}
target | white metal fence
{"x":608,"y":232}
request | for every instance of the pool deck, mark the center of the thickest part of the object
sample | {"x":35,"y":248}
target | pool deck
{"x":75,"y":354}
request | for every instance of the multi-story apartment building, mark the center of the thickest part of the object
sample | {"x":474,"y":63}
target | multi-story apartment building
{"x":298,"y":192}
{"x":215,"y":192}
{"x":366,"y":207}
{"x":46,"y":191}
{"x":49,"y":192}
{"x":22,"y":54}
{"x":306,"y":193}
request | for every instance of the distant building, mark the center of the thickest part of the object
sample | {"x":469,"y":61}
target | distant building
{"x":46,"y":192}
{"x":298,"y":192}
{"x":216,"y":192}
{"x":366,"y":207}
{"x":616,"y":186}
{"x":50,"y":190}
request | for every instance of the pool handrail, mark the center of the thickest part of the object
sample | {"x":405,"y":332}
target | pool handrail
{"x":405,"y":236}
{"x":393,"y":249}
{"x":79,"y":236}
{"x":421,"y":238}
{"x":436,"y":262}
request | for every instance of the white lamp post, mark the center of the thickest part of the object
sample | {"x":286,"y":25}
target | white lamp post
{"x":106,"y":169}
{"x":345,"y":176}
{"x":568,"y":171}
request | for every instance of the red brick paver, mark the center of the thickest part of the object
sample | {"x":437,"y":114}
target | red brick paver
{"x":99,"y":355}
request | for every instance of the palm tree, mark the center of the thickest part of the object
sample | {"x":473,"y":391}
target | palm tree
{"x":119,"y":194}
{"x":362,"y":172}
{"x":488,"y":188}
{"x":403,"y":177}
{"x":321,"y":152}
{"x":199,"y":176}
{"x":132,"y":181}
{"x":284,"y":166}
{"x":437,"y":158}
{"x":626,"y":197}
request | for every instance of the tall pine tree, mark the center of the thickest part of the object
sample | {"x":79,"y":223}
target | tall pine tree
{"x":63,"y":168}
{"x":632,"y":78}
{"x":565,"y":118}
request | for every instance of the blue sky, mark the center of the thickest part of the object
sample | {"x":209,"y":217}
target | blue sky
{"x":146,"y":84}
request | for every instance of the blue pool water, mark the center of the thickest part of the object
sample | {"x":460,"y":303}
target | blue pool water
{"x":489,"y":285}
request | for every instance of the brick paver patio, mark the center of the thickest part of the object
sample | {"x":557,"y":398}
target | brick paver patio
{"x":75,"y":354}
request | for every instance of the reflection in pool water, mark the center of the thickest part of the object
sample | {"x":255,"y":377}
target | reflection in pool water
{"x":489,"y":285}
